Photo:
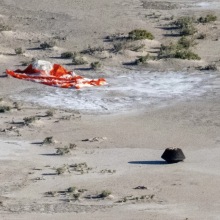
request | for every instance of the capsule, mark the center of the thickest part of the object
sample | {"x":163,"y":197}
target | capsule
{"x":173,"y":155}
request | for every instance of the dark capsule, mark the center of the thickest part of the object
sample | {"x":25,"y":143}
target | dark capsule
{"x":173,"y":155}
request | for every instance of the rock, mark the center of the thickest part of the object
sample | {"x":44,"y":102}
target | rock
{"x":173,"y":155}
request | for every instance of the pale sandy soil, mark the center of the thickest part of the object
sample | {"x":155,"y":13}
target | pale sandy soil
{"x":127,"y":147}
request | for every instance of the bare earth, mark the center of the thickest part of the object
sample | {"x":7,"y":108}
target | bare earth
{"x":119,"y":152}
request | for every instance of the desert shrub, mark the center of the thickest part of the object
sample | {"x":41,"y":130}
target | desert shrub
{"x":66,"y":117}
{"x":142,"y":59}
{"x":168,"y":18}
{"x":167,"y":51}
{"x":183,"y":21}
{"x":185,"y":25}
{"x":4,"y":109}
{"x":19,"y":50}
{"x":48,"y":140}
{"x":212,"y":67}
{"x":95,"y":65}
{"x":61,"y":170}
{"x":105,"y":193}
{"x":4,"y":27}
{"x":17,"y":106}
{"x":91,"y":50}
{"x":80,"y":167}
{"x":63,"y":151}
{"x":78,"y":60}
{"x":29,"y":120}
{"x":66,"y":55}
{"x":25,"y":63}
{"x":49,"y":113}
{"x":188,"y":30}
{"x":47,"y":45}
{"x":201,"y":36}
{"x":185,"y":42}
{"x":116,"y":37}
{"x":208,"y":18}
{"x":51,"y":193}
{"x":108,"y":171}
{"x":72,"y":146}
{"x":118,"y":46}
{"x":71,"y":189}
{"x":139,"y":34}
{"x":175,"y":51}
{"x":136,"y":48}
{"x":186,"y":54}
{"x":76,"y":196}
{"x":124,"y":45}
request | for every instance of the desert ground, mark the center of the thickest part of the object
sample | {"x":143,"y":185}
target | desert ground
{"x":60,"y":162}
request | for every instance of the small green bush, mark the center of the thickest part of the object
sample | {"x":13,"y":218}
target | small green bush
{"x":185,"y":42}
{"x":207,"y":19}
{"x":4,"y":27}
{"x":4,"y":109}
{"x":183,"y":22}
{"x":186,"y":55}
{"x":66,"y":55}
{"x":60,"y":170}
{"x":63,"y":151}
{"x":166,"y":51}
{"x":78,"y":60}
{"x":185,"y":26}
{"x":29,"y":120}
{"x":188,"y":30}
{"x":25,"y":63}
{"x":48,"y":140}
{"x":47,"y":45}
{"x":51,"y":193}
{"x":138,"y":34}
{"x":95,"y":65}
{"x":175,"y":51}
{"x":118,"y":46}
{"x":136,"y":48}
{"x":142,"y":59}
{"x":19,"y":50}
{"x":71,"y":189}
{"x":76,"y":196}
{"x":72,"y":146}
{"x":201,"y":36}
{"x":80,"y":167}
{"x":49,"y":113}
{"x":105,"y":193}
{"x":208,"y":67}
{"x":91,"y":50}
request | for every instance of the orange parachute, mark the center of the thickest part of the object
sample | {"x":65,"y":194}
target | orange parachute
{"x":54,"y":75}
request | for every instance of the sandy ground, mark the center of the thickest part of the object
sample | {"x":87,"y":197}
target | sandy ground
{"x":121,"y":151}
